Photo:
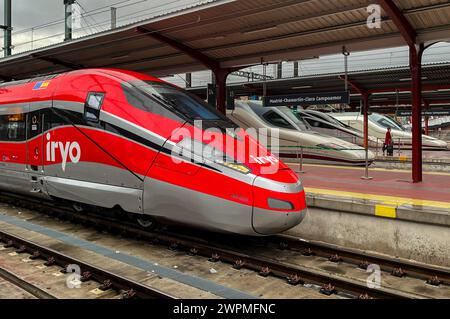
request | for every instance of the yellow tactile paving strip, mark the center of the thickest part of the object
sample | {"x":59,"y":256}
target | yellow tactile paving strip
{"x":385,"y":200}
{"x":370,"y":169}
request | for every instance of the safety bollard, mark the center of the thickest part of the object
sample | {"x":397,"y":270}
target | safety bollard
{"x":366,"y":173}
{"x":300,"y":159}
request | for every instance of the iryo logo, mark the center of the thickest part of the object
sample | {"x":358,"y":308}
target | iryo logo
{"x":265,"y":159}
{"x":69,"y":150}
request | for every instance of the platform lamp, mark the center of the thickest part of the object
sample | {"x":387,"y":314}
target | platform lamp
{"x":346,"y":54}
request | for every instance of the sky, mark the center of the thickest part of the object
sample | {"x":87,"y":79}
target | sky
{"x":39,"y":23}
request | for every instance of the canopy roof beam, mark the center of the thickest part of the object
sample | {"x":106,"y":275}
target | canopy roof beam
{"x":56,"y":61}
{"x":400,"y":20}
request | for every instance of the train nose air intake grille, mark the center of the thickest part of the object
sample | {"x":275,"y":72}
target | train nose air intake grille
{"x":280,"y":204}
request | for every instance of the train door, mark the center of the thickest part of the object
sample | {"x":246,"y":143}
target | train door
{"x":35,"y":149}
{"x":13,"y":148}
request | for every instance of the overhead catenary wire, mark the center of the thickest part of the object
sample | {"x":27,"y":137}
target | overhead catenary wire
{"x":303,"y":66}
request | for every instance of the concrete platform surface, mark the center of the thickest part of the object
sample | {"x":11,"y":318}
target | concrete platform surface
{"x":406,"y":155}
{"x":390,"y":187}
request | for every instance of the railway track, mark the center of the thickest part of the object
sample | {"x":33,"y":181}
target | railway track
{"x":432,"y":275}
{"x":23,"y":285}
{"x":215,"y":250}
{"x":125,"y":288}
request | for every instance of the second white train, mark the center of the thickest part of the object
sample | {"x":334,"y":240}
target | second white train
{"x":295,"y":137}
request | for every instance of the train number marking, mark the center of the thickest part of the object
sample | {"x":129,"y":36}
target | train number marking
{"x":69,"y":150}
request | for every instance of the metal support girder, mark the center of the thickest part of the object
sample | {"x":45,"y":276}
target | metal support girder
{"x":416,"y":54}
{"x":415,"y":62}
{"x":56,"y":61}
{"x":425,"y":87}
{"x":188,"y":80}
{"x":296,"y":69}
{"x":365,"y":97}
{"x":358,"y":88}
{"x":402,"y":23}
{"x":220,"y":73}
{"x":8,"y":28}
{"x":196,"y":55}
{"x":221,"y":85}
{"x":68,"y":19}
{"x":279,"y":70}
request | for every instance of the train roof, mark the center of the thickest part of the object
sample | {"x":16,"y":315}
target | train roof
{"x":123,"y":75}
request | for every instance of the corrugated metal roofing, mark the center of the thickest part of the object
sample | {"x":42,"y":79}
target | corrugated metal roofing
{"x":236,"y":33}
{"x":435,"y":75}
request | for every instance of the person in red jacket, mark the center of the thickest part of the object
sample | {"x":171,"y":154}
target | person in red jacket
{"x":388,"y":145}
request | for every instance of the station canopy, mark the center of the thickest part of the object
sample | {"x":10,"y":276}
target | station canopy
{"x":388,"y":87}
{"x":235,"y":34}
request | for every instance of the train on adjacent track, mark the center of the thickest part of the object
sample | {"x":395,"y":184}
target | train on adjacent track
{"x":122,"y":140}
{"x":295,"y":138}
{"x":378,"y":125}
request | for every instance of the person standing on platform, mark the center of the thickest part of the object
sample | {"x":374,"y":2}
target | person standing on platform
{"x":388,"y":144}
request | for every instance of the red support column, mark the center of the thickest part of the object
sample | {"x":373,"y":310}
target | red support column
{"x":416,"y":53}
{"x":221,"y":85}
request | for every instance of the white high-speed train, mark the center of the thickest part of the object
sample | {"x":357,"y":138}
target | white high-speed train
{"x":295,"y":134}
{"x":326,"y":124}
{"x":378,"y":125}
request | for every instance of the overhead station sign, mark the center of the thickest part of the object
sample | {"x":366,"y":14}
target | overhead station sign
{"x":308,"y":99}
{"x":431,"y":112}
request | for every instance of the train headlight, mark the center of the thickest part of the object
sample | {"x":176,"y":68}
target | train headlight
{"x":198,"y":151}
{"x":237,"y":167}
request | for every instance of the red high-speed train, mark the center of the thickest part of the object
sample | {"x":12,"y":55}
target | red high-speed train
{"x":118,"y":139}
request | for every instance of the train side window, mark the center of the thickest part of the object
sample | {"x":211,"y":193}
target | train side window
{"x":12,"y":127}
{"x":4,"y":127}
{"x":93,"y":105}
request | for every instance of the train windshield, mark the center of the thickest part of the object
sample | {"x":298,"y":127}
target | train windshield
{"x":296,"y":118}
{"x":385,"y":121}
{"x":185,"y":103}
{"x":333,"y":120}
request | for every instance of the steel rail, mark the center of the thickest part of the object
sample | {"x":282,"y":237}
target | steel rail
{"x":130,"y":287}
{"x":24,"y":285}
{"x":363,"y":260}
{"x":294,"y":274}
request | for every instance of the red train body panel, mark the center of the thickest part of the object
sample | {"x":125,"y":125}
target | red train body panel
{"x":116,"y":138}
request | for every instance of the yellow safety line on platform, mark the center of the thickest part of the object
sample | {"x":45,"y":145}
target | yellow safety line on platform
{"x":388,"y":200}
{"x":385,"y":211}
{"x":370,"y":169}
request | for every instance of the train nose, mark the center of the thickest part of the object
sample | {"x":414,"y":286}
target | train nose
{"x":278,"y":206}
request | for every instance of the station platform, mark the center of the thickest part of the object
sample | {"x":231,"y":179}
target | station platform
{"x":387,"y":214}
{"x":428,"y":157}
{"x":389,"y":186}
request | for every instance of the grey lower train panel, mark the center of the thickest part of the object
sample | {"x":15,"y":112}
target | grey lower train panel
{"x":17,"y":178}
{"x":197,"y":209}
{"x":96,"y":194}
{"x":267,"y":222}
{"x":96,"y":173}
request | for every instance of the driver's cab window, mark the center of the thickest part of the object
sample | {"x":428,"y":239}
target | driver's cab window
{"x":93,"y":104}
{"x":277,"y":120}
{"x":319,"y":124}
